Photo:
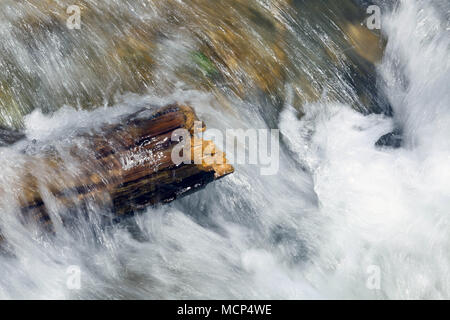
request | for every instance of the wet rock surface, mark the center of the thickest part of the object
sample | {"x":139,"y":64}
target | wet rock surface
{"x":8,"y":136}
{"x":391,"y":140}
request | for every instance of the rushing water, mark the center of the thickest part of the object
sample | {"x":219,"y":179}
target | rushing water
{"x":339,"y":206}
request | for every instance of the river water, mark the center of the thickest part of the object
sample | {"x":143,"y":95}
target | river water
{"x":342,"y":218}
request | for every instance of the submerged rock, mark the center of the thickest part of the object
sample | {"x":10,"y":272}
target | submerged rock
{"x":391,"y":140}
{"x":247,"y":49}
{"x":8,"y":136}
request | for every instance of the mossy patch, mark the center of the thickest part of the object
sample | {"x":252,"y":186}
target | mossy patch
{"x":204,"y":64}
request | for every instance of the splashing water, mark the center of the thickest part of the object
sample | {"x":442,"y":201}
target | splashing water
{"x":384,"y":207}
{"x":338,"y":206}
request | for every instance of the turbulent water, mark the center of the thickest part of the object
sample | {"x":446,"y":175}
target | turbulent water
{"x":340,"y":211}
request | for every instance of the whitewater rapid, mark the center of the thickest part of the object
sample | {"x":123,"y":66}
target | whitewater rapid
{"x":338,"y":209}
{"x":387,"y":209}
